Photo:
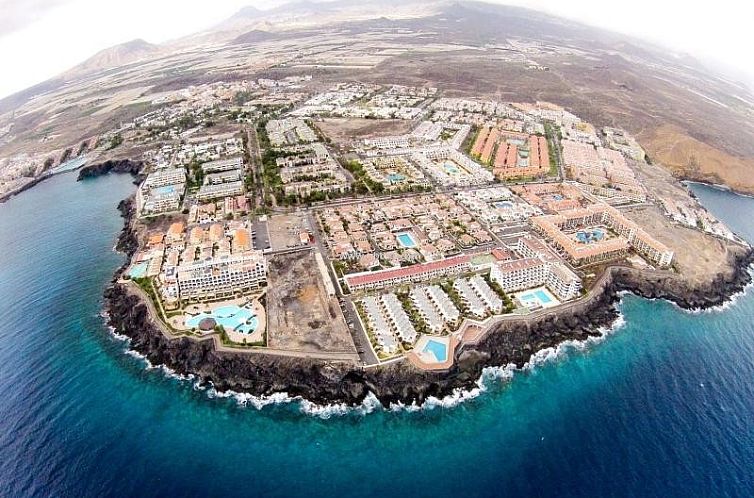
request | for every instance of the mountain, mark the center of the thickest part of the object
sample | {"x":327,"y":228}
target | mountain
{"x":115,"y":56}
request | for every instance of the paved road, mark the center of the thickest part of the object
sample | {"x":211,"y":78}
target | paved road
{"x":256,"y":168}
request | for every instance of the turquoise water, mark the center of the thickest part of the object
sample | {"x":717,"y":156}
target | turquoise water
{"x":395,"y":177}
{"x":438,"y":349}
{"x":587,"y":236}
{"x":406,"y":240}
{"x":542,"y":296}
{"x":231,"y":317}
{"x":663,"y":407}
{"x":451,"y":168}
{"x":534,"y":298}
{"x":138,"y":270}
{"x":167,"y":189}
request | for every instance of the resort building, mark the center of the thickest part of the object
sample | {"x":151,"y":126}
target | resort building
{"x":576,"y":234}
{"x":489,"y":297}
{"x":471,"y":300}
{"x":379,"y":325}
{"x":398,"y":318}
{"x":222,"y":276}
{"x":416,"y":273}
{"x":527,"y":273}
{"x":209,"y":192}
{"x":165,"y":177}
{"x":289,"y":131}
{"x":443,"y":303}
{"x":434,"y":306}
{"x":232,"y":175}
{"x":161,"y":200}
{"x":223,"y":165}
{"x":161,"y":191}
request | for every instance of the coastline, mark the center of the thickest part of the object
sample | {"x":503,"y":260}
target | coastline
{"x":35,"y":181}
{"x":512,"y":342}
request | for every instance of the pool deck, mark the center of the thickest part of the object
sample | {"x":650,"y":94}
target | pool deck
{"x":417,"y":360}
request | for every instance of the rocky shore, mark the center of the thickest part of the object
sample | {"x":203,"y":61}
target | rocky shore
{"x":322,"y":382}
{"x":111,"y":166}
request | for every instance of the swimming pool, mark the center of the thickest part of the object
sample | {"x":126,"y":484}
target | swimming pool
{"x":230,"y":317}
{"x":438,"y":349}
{"x":167,"y":189}
{"x":451,"y":168}
{"x":587,"y":236}
{"x":504,"y":205}
{"x":138,"y":270}
{"x":395,"y":178}
{"x":406,"y":240}
{"x":535,"y":298}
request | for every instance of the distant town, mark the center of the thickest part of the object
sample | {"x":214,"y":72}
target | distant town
{"x":376,"y":223}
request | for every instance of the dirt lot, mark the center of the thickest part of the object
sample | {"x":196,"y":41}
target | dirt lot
{"x":699,"y":257}
{"x":301,"y":317}
{"x":284,"y":230}
{"x":342,"y":130}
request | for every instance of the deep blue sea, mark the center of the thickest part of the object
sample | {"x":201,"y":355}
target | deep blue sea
{"x":663,"y":407}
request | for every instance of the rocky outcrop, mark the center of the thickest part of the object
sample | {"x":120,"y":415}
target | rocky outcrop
{"x":673,"y":288}
{"x":111,"y":166}
{"x":24,"y":187}
{"x":327,"y":382}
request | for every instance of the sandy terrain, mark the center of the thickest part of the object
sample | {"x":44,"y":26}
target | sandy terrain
{"x":344,"y":130}
{"x":698,"y":256}
{"x":301,"y":317}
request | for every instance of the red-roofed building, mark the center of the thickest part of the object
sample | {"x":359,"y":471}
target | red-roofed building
{"x":416,"y":273}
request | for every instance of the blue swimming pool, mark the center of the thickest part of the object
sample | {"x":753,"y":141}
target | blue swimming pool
{"x":451,"y":168}
{"x":542,"y":296}
{"x":504,"y":205}
{"x":587,"y":236}
{"x":438,"y":349}
{"x":534,"y":298}
{"x":167,"y":189}
{"x":231,"y":317}
{"x":395,"y":178}
{"x":138,"y":270}
{"x":406,"y":240}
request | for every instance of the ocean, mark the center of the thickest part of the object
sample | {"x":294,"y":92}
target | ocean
{"x":664,"y":406}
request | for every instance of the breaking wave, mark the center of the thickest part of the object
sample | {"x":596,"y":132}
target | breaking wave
{"x":491,"y":376}
{"x":728,"y":304}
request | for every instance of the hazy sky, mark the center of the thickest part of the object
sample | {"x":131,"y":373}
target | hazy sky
{"x":42,"y":38}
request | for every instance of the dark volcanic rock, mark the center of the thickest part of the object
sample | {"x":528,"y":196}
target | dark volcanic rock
{"x":111,"y":166}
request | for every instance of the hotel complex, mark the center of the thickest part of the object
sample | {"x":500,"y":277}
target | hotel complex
{"x":222,"y":276}
{"x":576,"y":234}
{"x":465,"y":218}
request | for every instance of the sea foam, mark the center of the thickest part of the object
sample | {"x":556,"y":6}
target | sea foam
{"x":493,"y":375}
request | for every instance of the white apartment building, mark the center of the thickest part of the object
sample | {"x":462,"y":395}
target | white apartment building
{"x":209,"y":192}
{"x":222,"y":276}
{"x":165,"y":177}
{"x":531,"y":272}
{"x":223,"y":165}
{"x":232,"y":175}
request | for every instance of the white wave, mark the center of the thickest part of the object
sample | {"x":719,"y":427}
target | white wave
{"x":489,"y":377}
{"x":727,"y":304}
{"x":554,"y":353}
